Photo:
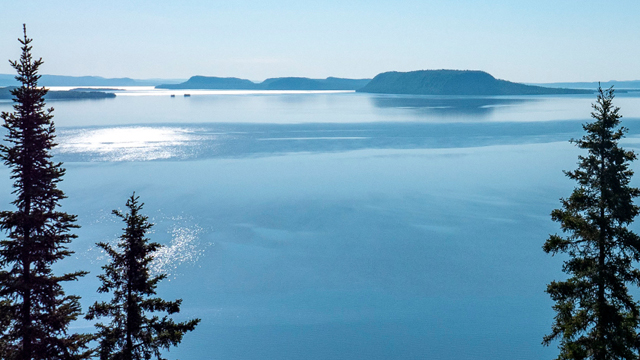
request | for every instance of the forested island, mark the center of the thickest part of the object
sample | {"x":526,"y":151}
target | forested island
{"x":283,"y":83}
{"x":454,"y":82}
{"x":5,"y":93}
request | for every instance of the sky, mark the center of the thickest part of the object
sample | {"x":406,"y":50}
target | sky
{"x":523,"y":41}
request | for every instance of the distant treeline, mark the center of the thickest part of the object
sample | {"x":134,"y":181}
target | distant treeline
{"x":284,"y":83}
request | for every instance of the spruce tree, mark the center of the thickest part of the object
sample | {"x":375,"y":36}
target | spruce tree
{"x":36,"y":309}
{"x":596,"y":317}
{"x":133,"y":333}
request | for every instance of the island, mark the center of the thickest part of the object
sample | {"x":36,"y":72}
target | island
{"x":454,"y":82}
{"x":212,"y":82}
{"x":282,"y":83}
{"x":5,"y":93}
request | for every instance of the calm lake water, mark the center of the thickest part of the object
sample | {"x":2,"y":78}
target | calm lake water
{"x":333,"y":225}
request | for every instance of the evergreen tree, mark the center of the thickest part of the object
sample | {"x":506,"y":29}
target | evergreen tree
{"x":5,"y":321}
{"x":36,"y":309}
{"x":596,"y":317}
{"x":132,"y":334}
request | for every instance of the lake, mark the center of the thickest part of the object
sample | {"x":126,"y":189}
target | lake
{"x":339,"y":225}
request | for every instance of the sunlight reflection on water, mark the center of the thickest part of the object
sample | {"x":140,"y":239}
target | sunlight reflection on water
{"x":184,"y":249}
{"x":127,"y":143}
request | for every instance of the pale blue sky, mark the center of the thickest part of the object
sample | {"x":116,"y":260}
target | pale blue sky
{"x":525,"y":41}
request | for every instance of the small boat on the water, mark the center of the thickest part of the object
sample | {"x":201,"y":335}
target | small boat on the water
{"x":173,"y":95}
{"x":187,"y":95}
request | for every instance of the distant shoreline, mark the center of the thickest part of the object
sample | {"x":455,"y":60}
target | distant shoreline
{"x":5,"y":93}
{"x":80,"y":83}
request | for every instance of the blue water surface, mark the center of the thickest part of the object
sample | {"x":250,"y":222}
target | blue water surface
{"x":333,"y":226}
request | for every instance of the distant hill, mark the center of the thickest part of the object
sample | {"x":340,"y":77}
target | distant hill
{"x":62,"y":80}
{"x":334,"y":83}
{"x":454,"y":82}
{"x":210,"y":82}
{"x":284,"y":83}
{"x":302,"y":83}
{"x":627,"y":85}
{"x":290,"y":83}
{"x":5,"y":93}
{"x":7,"y":80}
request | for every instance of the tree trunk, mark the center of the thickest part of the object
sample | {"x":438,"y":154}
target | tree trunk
{"x":600,"y":353}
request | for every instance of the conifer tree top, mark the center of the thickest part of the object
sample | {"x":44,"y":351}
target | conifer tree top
{"x":133,"y":332}
{"x":37,"y":232}
{"x":597,"y":318}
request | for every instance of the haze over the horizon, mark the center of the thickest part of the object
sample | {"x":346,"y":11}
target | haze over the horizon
{"x":523,"y":41}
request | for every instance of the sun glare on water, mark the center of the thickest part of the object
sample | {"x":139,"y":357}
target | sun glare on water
{"x":126,"y":143}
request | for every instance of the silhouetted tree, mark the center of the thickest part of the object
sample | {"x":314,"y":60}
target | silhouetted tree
{"x":596,"y":317}
{"x":5,"y":321}
{"x":38,"y":233}
{"x":131,"y":334}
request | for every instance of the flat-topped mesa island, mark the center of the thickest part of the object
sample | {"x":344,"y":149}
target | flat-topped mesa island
{"x":454,"y":82}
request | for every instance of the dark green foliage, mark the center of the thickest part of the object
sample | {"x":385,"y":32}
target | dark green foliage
{"x":596,"y":317}
{"x":35,"y":308}
{"x":453,"y":82}
{"x":5,"y":322}
{"x":132,"y":334}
